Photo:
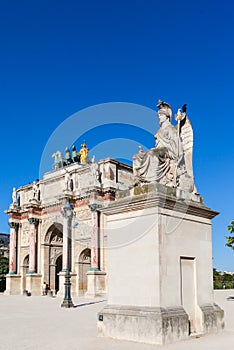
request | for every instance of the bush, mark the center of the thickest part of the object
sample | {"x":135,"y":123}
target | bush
{"x":4,"y":266}
{"x":218,"y":285}
{"x":228,"y":285}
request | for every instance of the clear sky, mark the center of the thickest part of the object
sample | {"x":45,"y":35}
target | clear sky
{"x":59,"y":57}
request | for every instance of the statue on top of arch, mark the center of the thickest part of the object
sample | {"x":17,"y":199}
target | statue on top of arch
{"x":170,"y":162}
{"x":70,"y":157}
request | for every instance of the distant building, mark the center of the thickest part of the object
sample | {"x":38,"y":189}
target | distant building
{"x":226,"y":273}
{"x":4,"y":244}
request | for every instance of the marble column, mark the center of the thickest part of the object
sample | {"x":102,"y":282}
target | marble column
{"x":95,"y":277}
{"x":32,"y":245}
{"x":13,"y":255}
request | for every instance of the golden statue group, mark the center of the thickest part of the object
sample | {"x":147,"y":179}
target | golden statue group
{"x":80,"y":157}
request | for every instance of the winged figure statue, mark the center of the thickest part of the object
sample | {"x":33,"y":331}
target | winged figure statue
{"x":170,"y":162}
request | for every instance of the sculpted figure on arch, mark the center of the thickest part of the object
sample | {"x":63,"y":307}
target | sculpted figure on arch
{"x":170,"y":162}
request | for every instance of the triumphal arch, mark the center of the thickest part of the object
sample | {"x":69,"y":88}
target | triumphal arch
{"x":38,"y":251}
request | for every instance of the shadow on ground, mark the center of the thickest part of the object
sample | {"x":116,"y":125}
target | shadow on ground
{"x":90,"y":303}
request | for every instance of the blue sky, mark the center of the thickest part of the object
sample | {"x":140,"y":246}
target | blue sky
{"x":59,"y":57}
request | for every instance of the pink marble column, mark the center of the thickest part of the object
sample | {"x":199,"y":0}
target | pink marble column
{"x":95,"y":237}
{"x":32,"y":244}
{"x":12,"y":257}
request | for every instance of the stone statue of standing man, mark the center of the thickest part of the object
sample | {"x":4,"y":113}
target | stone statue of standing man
{"x":14,"y":196}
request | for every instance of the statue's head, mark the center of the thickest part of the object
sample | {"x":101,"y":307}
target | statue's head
{"x":164,"y":109}
{"x":83,"y":145}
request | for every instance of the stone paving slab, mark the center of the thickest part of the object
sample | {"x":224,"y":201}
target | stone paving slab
{"x":40,"y":323}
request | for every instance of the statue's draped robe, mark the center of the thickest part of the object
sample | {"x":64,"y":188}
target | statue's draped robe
{"x":160,"y":163}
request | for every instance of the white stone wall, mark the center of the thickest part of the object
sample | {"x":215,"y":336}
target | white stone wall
{"x":133,"y":259}
{"x":144,"y":250}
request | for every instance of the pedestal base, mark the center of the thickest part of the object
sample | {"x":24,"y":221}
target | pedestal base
{"x":153,"y":325}
{"x":13,"y":285}
{"x":61,"y":291}
{"x":96,"y":284}
{"x":33,"y":283}
{"x":67,"y":304}
{"x":213,"y":318}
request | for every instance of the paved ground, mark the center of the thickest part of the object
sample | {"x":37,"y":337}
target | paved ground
{"x":39,"y":323}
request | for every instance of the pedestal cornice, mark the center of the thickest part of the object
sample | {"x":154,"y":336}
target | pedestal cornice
{"x":156,"y":198}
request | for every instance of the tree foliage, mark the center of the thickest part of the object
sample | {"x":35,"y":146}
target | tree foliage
{"x":4,"y":266}
{"x":222,"y":280}
{"x":230,"y":239}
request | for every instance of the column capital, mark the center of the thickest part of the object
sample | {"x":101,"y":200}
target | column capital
{"x":13,"y":224}
{"x":33,"y":221}
{"x":94,"y":206}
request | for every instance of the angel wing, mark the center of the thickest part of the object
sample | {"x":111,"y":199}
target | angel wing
{"x":186,"y":136}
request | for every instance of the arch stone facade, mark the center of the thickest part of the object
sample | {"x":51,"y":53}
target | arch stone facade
{"x":41,"y":234}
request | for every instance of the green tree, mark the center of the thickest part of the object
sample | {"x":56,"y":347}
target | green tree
{"x":218,"y":285}
{"x":4,"y":263}
{"x":227,"y":277}
{"x":230,"y":239}
{"x":222,"y":280}
{"x":216,"y":273}
{"x":217,"y":279}
{"x":4,"y":266}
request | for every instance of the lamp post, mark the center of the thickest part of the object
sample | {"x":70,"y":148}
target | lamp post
{"x":94,"y":207}
{"x":67,"y":214}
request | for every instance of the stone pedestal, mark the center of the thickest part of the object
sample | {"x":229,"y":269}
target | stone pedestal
{"x":13,"y":284}
{"x":34,"y":283}
{"x":153,"y":325}
{"x":212,"y":318}
{"x":96,"y":284}
{"x":159,"y":262}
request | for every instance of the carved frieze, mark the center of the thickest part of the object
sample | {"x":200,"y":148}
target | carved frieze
{"x":83,"y":231}
{"x":24,"y":237}
{"x":25,"y":226}
{"x":54,"y":254}
{"x":83,"y":213}
{"x":56,"y":239}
